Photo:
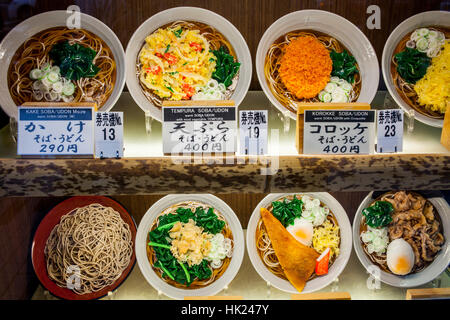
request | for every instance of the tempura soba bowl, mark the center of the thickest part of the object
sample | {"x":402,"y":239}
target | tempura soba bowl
{"x":179,"y":55}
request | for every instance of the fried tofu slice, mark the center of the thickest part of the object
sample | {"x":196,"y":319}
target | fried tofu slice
{"x":297,"y":260}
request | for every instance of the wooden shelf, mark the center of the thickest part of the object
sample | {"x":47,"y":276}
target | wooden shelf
{"x":144,"y":170}
{"x":159,"y":175}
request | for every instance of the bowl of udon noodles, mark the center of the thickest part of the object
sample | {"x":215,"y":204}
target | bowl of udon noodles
{"x":84,"y":248}
{"x":189,"y":245}
{"x":299,"y":242}
{"x":315,"y":56}
{"x":43,"y":60}
{"x":415,"y":66}
{"x":184,"y":54}
{"x":402,"y":236}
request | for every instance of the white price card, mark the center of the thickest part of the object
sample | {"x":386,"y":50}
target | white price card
{"x":390,"y":130}
{"x":109,"y":134}
{"x":338,"y":131}
{"x":199,"y":129}
{"x":55,"y":131}
{"x":253,"y":132}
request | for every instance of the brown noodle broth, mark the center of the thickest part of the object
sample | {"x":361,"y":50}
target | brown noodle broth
{"x":272,"y":64}
{"x":37,"y":48}
{"x":405,"y":90}
{"x":260,"y":230}
{"x":214,"y":37}
{"x":373,"y":256}
{"x":196,"y":284}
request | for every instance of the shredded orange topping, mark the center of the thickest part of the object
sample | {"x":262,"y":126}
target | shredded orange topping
{"x":305,"y":67}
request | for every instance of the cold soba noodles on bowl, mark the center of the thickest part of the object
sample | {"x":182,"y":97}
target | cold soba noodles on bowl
{"x":95,"y":240}
{"x":84,"y":248}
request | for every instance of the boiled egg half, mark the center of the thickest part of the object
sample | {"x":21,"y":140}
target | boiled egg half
{"x":302,"y":230}
{"x":400,"y":257}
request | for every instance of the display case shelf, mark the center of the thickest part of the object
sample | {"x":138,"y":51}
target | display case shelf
{"x":424,"y":164}
{"x":250,"y":286}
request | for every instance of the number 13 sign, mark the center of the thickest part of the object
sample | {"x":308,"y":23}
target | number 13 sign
{"x":109,"y":134}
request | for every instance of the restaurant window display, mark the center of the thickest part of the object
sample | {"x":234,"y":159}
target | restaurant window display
{"x":227,"y":153}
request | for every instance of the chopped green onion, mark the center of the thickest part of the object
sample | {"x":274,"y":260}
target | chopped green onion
{"x":423,"y":32}
{"x":53,"y":77}
{"x":422,"y":44}
{"x":55,"y":69}
{"x":45,"y":67}
{"x":58,"y":87}
{"x":36,"y":74}
{"x":68,"y":89}
{"x":167,"y":48}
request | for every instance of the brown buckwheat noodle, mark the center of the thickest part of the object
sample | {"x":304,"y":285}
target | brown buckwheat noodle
{"x":95,"y":239}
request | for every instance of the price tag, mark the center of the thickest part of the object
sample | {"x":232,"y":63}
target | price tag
{"x":109,"y":134}
{"x":389,"y":130}
{"x":199,"y":129}
{"x":338,"y":131}
{"x":253,"y":132}
{"x":51,"y":131}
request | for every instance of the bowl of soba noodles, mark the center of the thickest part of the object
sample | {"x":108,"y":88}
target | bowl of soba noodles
{"x":186,"y":53}
{"x":83,"y":249}
{"x":43,"y":60}
{"x":189,"y":245}
{"x":299,"y":242}
{"x":402,"y":236}
{"x":415,"y":66}
{"x":315,"y":56}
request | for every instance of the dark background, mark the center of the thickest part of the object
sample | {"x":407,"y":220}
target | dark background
{"x":251,"y":17}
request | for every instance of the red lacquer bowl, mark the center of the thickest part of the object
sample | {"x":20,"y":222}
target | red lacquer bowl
{"x":44,"y":230}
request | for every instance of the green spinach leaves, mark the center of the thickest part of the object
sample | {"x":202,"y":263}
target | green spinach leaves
{"x":287,"y":211}
{"x":344,"y":65}
{"x":412,"y":64}
{"x":74,"y":61}
{"x":226,"y":67}
{"x":379,"y":214}
{"x":172,"y":268}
